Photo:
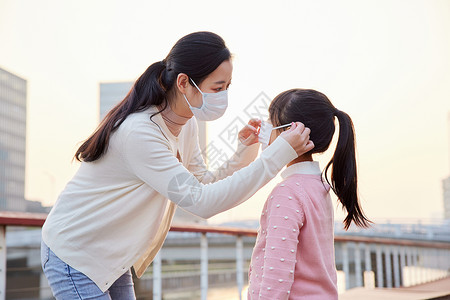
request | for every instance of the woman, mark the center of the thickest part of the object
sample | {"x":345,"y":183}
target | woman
{"x":115,"y":213}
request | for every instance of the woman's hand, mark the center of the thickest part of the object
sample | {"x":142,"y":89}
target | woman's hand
{"x":298,"y":137}
{"x":249,"y":134}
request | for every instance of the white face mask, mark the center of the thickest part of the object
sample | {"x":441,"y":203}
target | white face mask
{"x":213,"y":107}
{"x":265,"y":131}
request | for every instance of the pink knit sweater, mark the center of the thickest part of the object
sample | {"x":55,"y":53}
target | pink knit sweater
{"x":294,"y":253}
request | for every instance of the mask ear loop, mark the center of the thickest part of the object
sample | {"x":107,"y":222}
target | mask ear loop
{"x":190,"y":106}
{"x":285,"y":125}
{"x":196,"y":85}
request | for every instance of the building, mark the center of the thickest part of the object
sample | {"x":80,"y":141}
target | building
{"x":111,"y":94}
{"x":446,"y":182}
{"x":13,"y":113}
{"x":446,"y":186}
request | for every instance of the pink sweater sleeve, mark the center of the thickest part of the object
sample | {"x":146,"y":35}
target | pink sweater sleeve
{"x":285,"y":219}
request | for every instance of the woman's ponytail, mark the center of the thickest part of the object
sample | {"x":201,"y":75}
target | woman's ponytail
{"x":147,"y":90}
{"x":344,"y":174}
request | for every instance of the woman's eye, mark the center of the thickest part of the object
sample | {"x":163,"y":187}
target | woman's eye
{"x":218,"y":89}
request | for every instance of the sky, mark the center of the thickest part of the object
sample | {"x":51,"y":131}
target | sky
{"x":385,"y":63}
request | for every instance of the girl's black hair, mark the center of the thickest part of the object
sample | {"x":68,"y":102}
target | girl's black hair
{"x":197,"y":54}
{"x":316,"y":112}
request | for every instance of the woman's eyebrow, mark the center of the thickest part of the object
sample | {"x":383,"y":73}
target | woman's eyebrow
{"x":219,"y":82}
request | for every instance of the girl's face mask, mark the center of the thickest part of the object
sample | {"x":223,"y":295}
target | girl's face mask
{"x":213,"y":107}
{"x":265,"y":131}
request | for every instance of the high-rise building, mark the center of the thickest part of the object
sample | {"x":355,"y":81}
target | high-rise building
{"x":113,"y":93}
{"x":13,"y":113}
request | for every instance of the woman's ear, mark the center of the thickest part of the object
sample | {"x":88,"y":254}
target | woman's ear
{"x":182,"y":82}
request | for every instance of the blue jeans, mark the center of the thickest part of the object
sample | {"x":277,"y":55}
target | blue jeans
{"x":67,"y":283}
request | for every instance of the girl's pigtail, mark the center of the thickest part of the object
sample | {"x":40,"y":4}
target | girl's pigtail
{"x":344,"y":180}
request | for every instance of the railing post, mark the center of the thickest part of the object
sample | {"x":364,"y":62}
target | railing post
{"x":157,"y":277}
{"x":414,"y":276}
{"x":439,"y":263}
{"x":358,"y":265}
{"x":410,"y":263}
{"x":402,"y":266}
{"x":240,"y":264}
{"x":204,"y":266}
{"x":396,"y":266}
{"x":423,"y":273}
{"x":368,"y":260}
{"x":419,"y":266}
{"x":369,"y":278}
{"x":447,"y":260}
{"x":436,"y":265}
{"x":2,"y":262}
{"x":431,"y":264}
{"x":379,"y":267}
{"x":427,"y":261}
{"x":430,"y":267}
{"x":426,"y":265}
{"x":346,"y":265}
{"x":387,"y":260}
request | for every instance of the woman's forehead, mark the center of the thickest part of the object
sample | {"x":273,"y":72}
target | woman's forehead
{"x":222,"y":74}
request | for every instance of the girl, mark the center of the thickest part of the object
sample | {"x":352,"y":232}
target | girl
{"x":294,"y":253}
{"x":115,"y":213}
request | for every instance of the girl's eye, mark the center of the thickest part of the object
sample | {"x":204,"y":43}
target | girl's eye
{"x":218,"y":89}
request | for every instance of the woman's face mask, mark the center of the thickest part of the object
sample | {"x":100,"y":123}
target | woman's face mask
{"x":213,"y":107}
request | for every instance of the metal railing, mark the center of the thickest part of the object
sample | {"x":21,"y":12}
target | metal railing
{"x":361,"y":261}
{"x":239,"y":233}
{"x":388,"y":262}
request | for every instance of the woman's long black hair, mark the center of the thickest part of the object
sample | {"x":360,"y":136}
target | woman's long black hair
{"x":316,"y":111}
{"x":197,"y":54}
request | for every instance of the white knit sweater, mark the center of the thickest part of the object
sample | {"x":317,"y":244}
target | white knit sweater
{"x":115,"y":212}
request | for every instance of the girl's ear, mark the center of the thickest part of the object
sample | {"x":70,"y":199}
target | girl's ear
{"x":182,"y":82}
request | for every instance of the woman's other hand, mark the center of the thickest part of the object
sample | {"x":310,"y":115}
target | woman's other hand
{"x":298,"y":137}
{"x":249,"y":134}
